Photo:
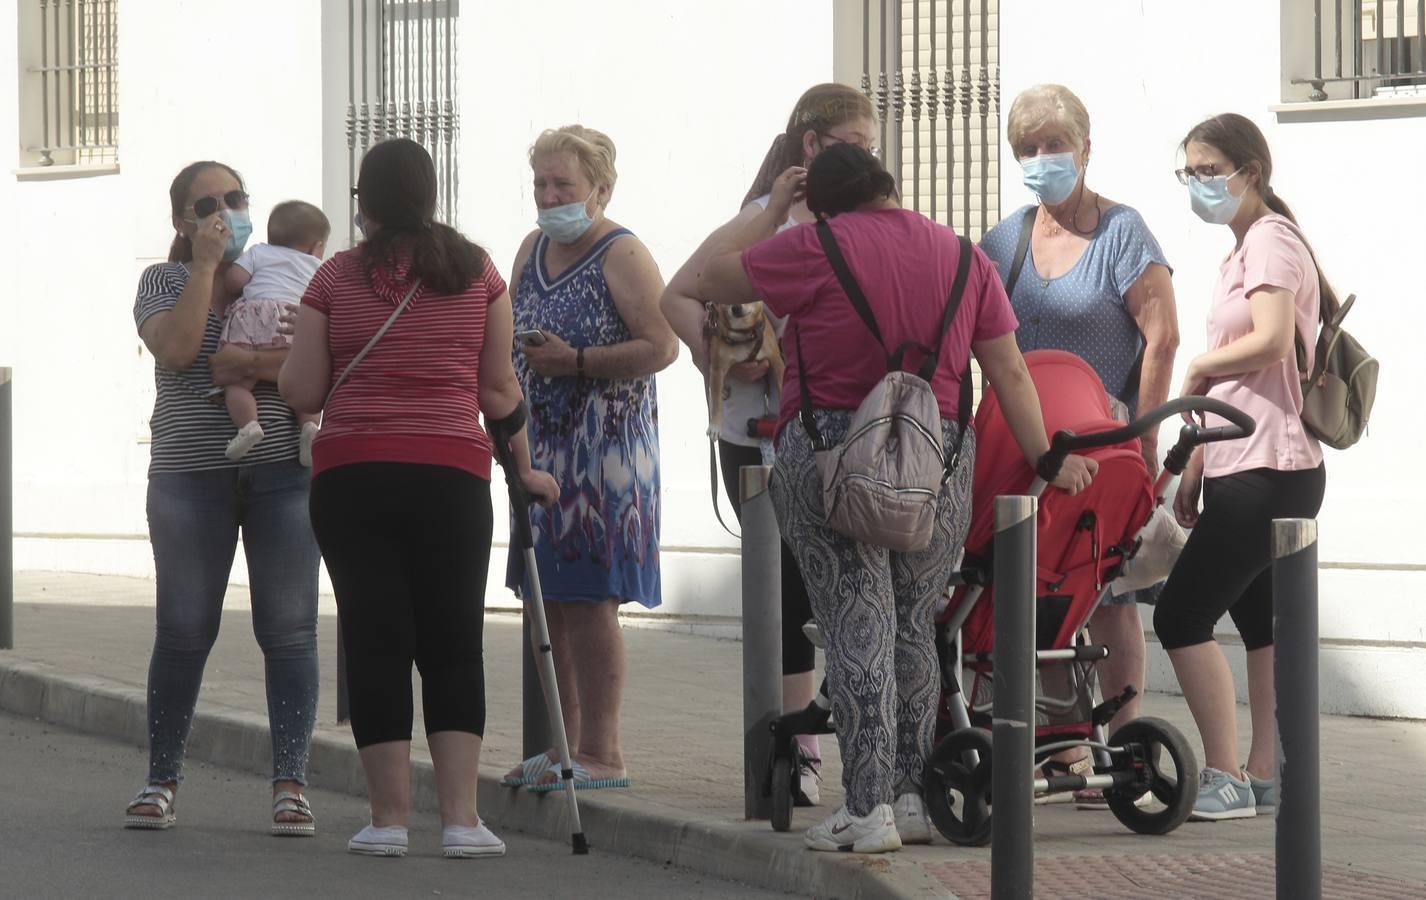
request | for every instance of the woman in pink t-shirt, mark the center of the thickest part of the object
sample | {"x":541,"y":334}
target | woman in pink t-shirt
{"x":1269,"y":292}
{"x":874,"y":607}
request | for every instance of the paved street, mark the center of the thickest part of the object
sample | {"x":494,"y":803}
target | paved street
{"x":82,"y":645}
{"x":60,"y":838}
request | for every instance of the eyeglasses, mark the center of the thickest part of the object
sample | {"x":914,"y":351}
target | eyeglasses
{"x":874,"y":151}
{"x":204,"y":207}
{"x":1203,"y":175}
{"x":355,"y":192}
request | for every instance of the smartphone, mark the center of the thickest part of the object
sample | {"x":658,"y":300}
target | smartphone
{"x":532,"y":337}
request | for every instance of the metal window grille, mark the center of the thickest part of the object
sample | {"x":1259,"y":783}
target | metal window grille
{"x":74,"y":80}
{"x":942,"y":56}
{"x":1375,"y":48}
{"x":403,"y":75}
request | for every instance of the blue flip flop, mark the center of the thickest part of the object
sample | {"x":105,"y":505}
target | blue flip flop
{"x":532,"y":769}
{"x":582,"y":781}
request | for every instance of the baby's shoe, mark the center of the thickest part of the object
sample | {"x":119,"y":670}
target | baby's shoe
{"x":304,"y":451}
{"x":246,"y":439}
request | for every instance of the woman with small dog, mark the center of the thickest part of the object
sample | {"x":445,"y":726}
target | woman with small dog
{"x":591,"y":338}
{"x":825,"y":115}
{"x":874,"y":606}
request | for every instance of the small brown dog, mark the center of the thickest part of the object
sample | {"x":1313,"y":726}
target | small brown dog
{"x":737,"y":334}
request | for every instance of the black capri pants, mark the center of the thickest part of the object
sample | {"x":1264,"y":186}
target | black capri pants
{"x":1226,"y":566}
{"x":798,"y":654}
{"x":408,"y":548}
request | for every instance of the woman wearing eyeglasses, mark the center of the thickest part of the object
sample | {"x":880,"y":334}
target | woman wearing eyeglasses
{"x":824,"y":116}
{"x":1093,"y":282}
{"x":1267,"y":299}
{"x":199,"y":501}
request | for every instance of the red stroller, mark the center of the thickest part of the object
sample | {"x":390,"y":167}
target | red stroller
{"x":1083,"y":541}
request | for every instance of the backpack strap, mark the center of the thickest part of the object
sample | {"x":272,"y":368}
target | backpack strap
{"x":963,"y":410}
{"x":849,"y":283}
{"x":1325,"y":319}
{"x":1027,"y":226}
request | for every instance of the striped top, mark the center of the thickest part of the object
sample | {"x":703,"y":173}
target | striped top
{"x":190,"y":426}
{"x":415,"y":398}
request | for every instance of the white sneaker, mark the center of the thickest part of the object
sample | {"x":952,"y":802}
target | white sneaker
{"x":462,"y":842}
{"x":304,"y":448}
{"x":388,"y":840}
{"x":909,"y":811}
{"x":873,"y":833}
{"x":246,"y":439}
{"x":809,"y":780}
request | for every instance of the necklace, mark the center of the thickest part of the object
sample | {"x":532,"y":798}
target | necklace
{"x":1049,"y":226}
{"x":1052,"y":228}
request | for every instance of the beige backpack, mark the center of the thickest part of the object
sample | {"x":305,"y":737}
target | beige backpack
{"x":882,"y":483}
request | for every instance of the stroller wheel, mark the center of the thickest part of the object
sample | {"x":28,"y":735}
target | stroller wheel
{"x":958,"y":787}
{"x":783,"y":771}
{"x":1169,"y":773}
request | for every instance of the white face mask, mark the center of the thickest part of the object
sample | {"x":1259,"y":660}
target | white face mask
{"x":567,"y":223}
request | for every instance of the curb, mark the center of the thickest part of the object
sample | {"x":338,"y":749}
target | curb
{"x":626,"y":824}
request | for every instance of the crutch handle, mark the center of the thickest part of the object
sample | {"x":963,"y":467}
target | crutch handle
{"x":502,"y":432}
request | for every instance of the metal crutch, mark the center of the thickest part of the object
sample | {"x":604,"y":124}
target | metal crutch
{"x":501,"y":432}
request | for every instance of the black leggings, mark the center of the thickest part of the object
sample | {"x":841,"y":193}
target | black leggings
{"x":798,"y":654}
{"x":1226,"y":566}
{"x":408,"y":549}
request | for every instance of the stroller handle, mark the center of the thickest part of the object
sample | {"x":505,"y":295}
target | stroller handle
{"x":502,"y":431}
{"x":1240,"y":425}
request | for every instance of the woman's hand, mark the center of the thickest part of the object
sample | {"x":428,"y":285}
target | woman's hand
{"x":1190,"y":486}
{"x":541,"y":486}
{"x":752,"y":370}
{"x":210,"y":239}
{"x":231,"y":365}
{"x":287,"y":320}
{"x":1076,"y":472}
{"x":553,"y":359}
{"x":1194,"y":385}
{"x":789,"y":187}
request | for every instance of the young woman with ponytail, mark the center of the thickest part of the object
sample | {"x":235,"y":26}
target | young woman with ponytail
{"x":1268,"y":291}
{"x":824,"y":116}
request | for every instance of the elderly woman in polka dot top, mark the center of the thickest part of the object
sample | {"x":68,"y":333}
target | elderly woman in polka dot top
{"x":1094,"y":282}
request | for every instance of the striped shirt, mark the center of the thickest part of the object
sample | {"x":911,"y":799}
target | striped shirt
{"x":190,"y":425}
{"x":415,"y":398}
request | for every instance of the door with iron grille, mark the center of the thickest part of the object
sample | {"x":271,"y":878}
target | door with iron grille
{"x":402,"y":77}
{"x":932,"y":69}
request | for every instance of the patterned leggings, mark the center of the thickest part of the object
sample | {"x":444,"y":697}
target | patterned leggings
{"x":874,"y":609}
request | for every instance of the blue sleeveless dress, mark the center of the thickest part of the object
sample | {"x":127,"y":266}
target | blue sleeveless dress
{"x":599,"y":439}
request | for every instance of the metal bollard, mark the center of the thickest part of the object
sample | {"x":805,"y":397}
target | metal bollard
{"x":7,"y":516}
{"x":1299,"y":811}
{"x":534,"y":714}
{"x":1012,"y":848}
{"x":762,"y":635}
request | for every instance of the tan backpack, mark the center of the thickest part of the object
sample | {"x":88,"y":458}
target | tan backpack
{"x":882,"y":483}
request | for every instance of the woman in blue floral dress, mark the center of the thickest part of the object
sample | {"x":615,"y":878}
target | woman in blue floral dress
{"x":591,"y":290}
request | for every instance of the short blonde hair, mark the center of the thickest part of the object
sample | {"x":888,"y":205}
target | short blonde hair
{"x":593,"y":149}
{"x":1046,"y":104}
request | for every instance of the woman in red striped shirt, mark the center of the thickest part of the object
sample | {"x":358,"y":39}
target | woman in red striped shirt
{"x":401,"y":482}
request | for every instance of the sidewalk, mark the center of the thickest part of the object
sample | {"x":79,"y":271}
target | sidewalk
{"x":81,"y":659}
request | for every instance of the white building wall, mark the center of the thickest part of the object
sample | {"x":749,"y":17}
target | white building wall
{"x":1147,"y":78}
{"x":689,"y":92}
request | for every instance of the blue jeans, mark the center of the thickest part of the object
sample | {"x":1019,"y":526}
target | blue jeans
{"x":194,"y":519}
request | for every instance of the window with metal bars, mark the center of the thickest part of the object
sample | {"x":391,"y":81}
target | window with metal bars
{"x":1354,"y":50}
{"x":69,"y":92}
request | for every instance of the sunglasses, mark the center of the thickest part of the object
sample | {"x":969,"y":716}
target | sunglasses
{"x":204,"y":207}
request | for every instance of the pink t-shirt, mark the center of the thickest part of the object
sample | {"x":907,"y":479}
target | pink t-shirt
{"x":1271,"y":257}
{"x":905,"y":264}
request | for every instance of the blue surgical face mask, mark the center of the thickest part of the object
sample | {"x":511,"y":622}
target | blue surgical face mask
{"x":1051,"y":176}
{"x":359,"y":221}
{"x":568,"y":223}
{"x":240,"y":228}
{"x":1213,"y":202}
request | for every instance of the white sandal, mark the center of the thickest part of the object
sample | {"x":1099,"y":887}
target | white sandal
{"x":289,"y":802}
{"x":155,"y":795}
